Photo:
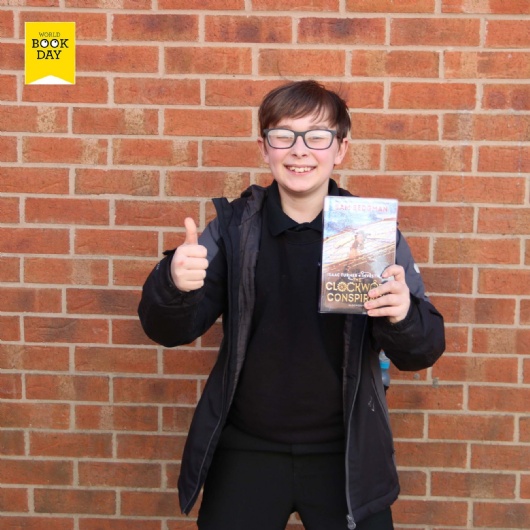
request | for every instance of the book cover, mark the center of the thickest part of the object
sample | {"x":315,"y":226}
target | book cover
{"x":359,"y":244}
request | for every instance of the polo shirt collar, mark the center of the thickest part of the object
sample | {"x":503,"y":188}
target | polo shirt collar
{"x":279,"y":221}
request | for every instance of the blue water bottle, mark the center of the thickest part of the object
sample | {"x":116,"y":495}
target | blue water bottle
{"x":384,"y":363}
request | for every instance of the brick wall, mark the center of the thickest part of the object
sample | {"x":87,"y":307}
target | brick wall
{"x":96,"y":179}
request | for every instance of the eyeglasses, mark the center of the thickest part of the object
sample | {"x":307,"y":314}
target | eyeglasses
{"x":285,"y":138}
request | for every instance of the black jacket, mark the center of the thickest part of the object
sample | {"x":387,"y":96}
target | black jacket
{"x":171,"y":317}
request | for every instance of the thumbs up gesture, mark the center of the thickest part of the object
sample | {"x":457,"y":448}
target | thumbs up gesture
{"x":189,"y":264}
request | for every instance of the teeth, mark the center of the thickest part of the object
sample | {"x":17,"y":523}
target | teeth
{"x":299,"y":169}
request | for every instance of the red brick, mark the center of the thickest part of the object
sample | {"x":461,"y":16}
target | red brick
{"x":207,"y":60}
{"x":31,"y":300}
{"x":9,"y":210}
{"x":394,"y":126}
{"x":342,"y":30}
{"x":155,"y":152}
{"x":476,"y":251}
{"x":7,"y":25}
{"x":448,"y":280}
{"x":12,"y":442}
{"x":460,"y":96}
{"x":476,"y":369}
{"x":77,"y":445}
{"x":437,"y":219}
{"x":409,"y":188}
{"x":486,"y":6}
{"x":116,"y":242}
{"x":507,"y":34}
{"x":177,"y":419}
{"x":295,"y":5}
{"x":116,"y":418}
{"x":26,"y":357}
{"x":501,"y":515}
{"x":86,"y":90}
{"x":145,"y":91}
{"x":456,"y":339}
{"x":66,"y":271}
{"x":66,"y":151}
{"x":49,"y":329}
{"x":237,"y":92}
{"x":473,"y":485}
{"x":230,"y":28}
{"x":412,"y":482}
{"x":150,"y":447}
{"x":301,"y":62}
{"x":525,"y":312}
{"x":524,"y":428}
{"x":131,"y":273}
{"x":115,"y":360}
{"x":8,"y":149}
{"x":503,"y":96}
{"x":435,"y":32}
{"x":9,"y":328}
{"x":470,"y":427}
{"x":67,"y":388}
{"x":487,"y":65}
{"x":477,"y":310}
{"x":407,"y":424}
{"x":10,"y":386}
{"x":466,"y":189}
{"x":163,"y":504}
{"x":220,"y":122}
{"x":108,"y":4}
{"x":13,"y":500}
{"x":67,"y":211}
{"x":12,"y":57}
{"x":501,"y":341}
{"x":88,"y":26}
{"x":205,"y":184}
{"x":119,"y":58}
{"x":131,"y":121}
{"x":503,"y":221}
{"x":40,"y":523}
{"x":155,"y":390}
{"x":118,"y":524}
{"x":364,"y":157}
{"x":500,"y":457}
{"x":34,"y":415}
{"x":102,"y":301}
{"x":428,"y":158}
{"x":34,"y":241}
{"x":33,"y":180}
{"x":486,"y":127}
{"x":119,"y":474}
{"x":390,"y":6}
{"x":129,"y":332}
{"x":9,"y":269}
{"x":154,"y":213}
{"x":509,"y":159}
{"x":430,"y":454}
{"x":427,"y":397}
{"x":40,"y":119}
{"x":8,"y":88}
{"x":149,"y":27}
{"x":116,"y":181}
{"x":380,"y":63}
{"x":430,"y":512}
{"x":40,"y":472}
{"x":192,"y":362}
{"x":501,"y":399}
{"x":202,"y":4}
{"x":231,"y":153}
{"x":75,"y":501}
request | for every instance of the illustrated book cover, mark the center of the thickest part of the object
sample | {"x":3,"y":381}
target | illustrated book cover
{"x":359,"y":244}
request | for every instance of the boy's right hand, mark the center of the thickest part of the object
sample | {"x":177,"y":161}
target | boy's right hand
{"x":189,"y":264}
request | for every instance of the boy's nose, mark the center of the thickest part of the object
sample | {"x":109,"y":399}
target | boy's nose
{"x":299,"y":146}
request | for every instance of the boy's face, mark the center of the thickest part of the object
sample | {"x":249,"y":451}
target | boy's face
{"x":300,"y":171}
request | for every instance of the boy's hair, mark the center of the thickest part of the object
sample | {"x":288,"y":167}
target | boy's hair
{"x":304,"y":98}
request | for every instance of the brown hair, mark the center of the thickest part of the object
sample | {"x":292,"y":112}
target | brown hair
{"x":304,"y":98}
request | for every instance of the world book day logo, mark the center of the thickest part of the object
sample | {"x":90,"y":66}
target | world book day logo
{"x":50,"y":53}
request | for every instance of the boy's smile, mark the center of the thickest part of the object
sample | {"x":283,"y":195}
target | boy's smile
{"x":302,"y":172}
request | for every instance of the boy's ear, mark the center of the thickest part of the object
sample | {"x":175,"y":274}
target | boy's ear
{"x":341,"y":153}
{"x":263,"y":150}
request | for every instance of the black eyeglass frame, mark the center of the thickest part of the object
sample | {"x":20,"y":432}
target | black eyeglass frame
{"x":296,"y":135}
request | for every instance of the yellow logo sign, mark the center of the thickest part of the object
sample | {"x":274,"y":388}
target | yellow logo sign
{"x":50,"y":53}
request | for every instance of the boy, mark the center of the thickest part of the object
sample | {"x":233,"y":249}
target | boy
{"x":293,"y":416}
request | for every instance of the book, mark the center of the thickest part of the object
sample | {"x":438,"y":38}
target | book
{"x":359,"y":243}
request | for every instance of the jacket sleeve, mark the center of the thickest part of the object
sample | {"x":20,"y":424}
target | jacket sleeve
{"x":417,"y":341}
{"x":172,"y":317}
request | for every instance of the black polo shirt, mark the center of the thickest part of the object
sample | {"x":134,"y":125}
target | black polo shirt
{"x":290,"y":390}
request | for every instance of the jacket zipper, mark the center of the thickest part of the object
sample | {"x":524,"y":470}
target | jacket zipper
{"x":349,"y":518}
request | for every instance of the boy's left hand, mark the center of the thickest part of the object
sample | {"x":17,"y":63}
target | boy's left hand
{"x":392,"y":298}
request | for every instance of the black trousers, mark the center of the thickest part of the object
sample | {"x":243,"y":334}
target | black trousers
{"x":259,"y":490}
